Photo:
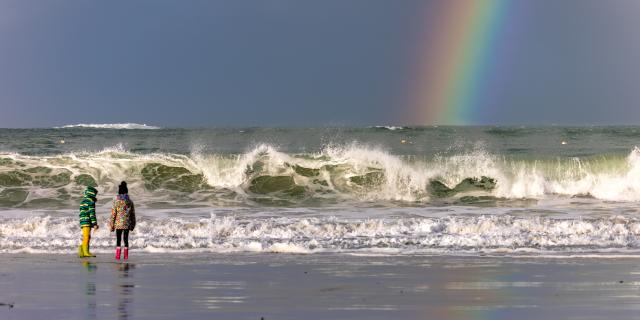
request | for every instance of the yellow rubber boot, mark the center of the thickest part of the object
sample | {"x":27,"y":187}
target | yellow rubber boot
{"x":86,"y":252}
{"x":86,"y":237}
{"x":80,"y":252}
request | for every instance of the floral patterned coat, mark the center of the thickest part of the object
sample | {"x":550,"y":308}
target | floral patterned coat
{"x":123,"y":215}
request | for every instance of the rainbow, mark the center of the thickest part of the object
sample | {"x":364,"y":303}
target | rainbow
{"x":495,"y":295}
{"x":457,"y":54}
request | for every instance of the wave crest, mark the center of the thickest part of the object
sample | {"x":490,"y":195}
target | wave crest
{"x":109,"y":126}
{"x":350,"y":173}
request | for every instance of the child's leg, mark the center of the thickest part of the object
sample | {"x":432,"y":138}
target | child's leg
{"x":126,"y":244}
{"x":125,"y":237}
{"x":118,"y":236}
{"x":86,"y":235}
{"x":86,"y":239}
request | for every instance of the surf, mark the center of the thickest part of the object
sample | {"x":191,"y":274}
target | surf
{"x":349,"y":173}
{"x":500,"y":233}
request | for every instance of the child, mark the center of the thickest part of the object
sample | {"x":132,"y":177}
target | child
{"x":123,"y":219}
{"x":87,"y":220}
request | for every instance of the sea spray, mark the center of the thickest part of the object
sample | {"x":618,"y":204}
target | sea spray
{"x":338,"y":174}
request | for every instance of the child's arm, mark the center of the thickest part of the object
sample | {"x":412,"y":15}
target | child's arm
{"x":112,"y":220}
{"x":92,"y":214}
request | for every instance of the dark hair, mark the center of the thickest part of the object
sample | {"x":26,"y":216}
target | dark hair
{"x":122,"y":188}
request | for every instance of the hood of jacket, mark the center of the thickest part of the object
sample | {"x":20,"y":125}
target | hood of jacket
{"x":90,"y":192}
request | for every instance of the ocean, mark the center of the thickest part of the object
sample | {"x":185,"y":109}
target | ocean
{"x":521,"y":190}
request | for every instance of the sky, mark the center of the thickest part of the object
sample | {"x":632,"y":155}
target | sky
{"x":309,"y":63}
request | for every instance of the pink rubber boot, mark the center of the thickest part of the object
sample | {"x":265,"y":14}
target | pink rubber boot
{"x":126,"y":253}
{"x":118,"y":253}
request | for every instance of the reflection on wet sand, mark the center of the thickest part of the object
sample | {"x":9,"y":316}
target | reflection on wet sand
{"x":220,"y":294}
{"x":125,"y":289}
{"x":317,"y":287}
{"x":90,"y":289}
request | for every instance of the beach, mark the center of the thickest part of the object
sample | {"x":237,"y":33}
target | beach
{"x":293,"y":286}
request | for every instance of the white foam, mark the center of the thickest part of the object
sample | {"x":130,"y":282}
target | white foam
{"x":108,"y":126}
{"x":392,"y":128}
{"x":497,"y":234}
{"x":287,"y":248}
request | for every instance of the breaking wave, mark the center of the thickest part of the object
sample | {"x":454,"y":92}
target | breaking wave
{"x":337,"y":174}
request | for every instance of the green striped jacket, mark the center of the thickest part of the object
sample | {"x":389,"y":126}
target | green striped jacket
{"x":88,"y":208}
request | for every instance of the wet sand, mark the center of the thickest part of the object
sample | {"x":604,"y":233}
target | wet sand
{"x":286,"y":286}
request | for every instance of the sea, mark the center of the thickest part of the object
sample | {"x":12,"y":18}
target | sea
{"x":379,"y":190}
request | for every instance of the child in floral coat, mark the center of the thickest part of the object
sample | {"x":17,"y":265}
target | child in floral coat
{"x":123,"y":219}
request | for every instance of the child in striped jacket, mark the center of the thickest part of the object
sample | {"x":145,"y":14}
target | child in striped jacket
{"x":87,"y":220}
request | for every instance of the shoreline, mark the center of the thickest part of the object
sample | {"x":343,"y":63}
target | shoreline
{"x":319,"y":286}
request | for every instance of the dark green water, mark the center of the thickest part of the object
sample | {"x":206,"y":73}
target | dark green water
{"x":47,"y":168}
